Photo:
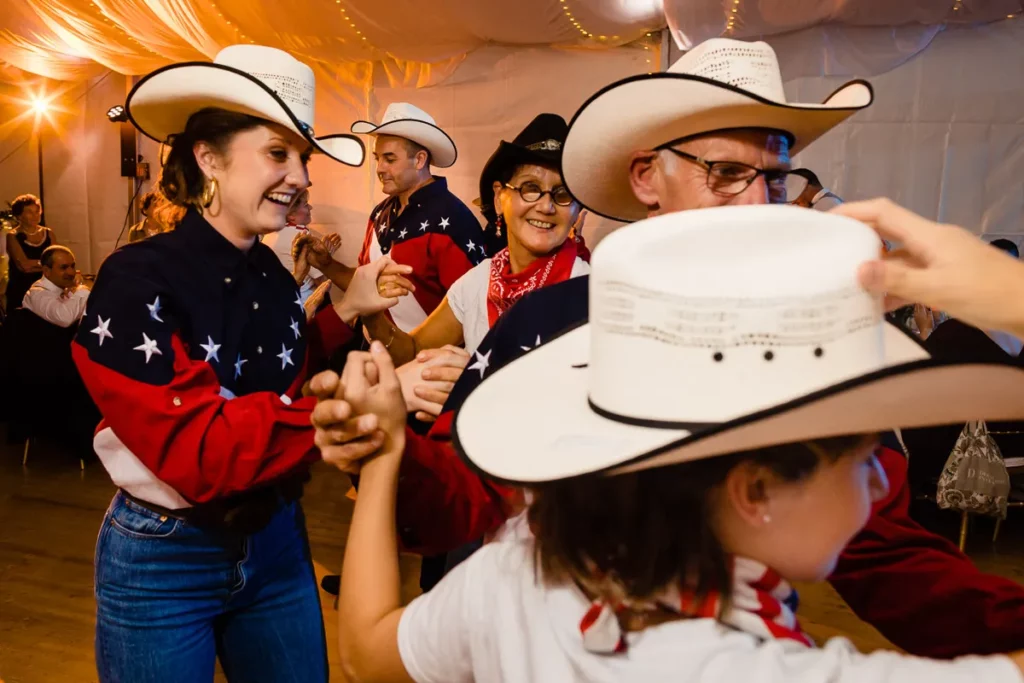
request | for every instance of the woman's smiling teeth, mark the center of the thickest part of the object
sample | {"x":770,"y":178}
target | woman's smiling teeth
{"x":540,"y":224}
{"x":282,"y":198}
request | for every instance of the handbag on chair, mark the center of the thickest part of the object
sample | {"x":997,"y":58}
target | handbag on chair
{"x":975,"y":478}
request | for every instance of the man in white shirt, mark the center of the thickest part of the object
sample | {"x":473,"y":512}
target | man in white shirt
{"x":57,"y":297}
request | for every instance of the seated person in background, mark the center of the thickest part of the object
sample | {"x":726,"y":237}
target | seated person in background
{"x":159,"y":215}
{"x":57,"y":297}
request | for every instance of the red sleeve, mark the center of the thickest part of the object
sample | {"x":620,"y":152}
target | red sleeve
{"x":327,"y":333}
{"x":451,"y":259}
{"x":919,"y":590}
{"x":442,"y":504}
{"x":200,"y":443}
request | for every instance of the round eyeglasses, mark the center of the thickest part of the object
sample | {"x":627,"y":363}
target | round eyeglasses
{"x":532,"y":192}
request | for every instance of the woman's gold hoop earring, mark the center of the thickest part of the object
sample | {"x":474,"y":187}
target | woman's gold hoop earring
{"x":209,"y":192}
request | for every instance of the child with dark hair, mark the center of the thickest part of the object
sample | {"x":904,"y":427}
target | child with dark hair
{"x":707,"y":439}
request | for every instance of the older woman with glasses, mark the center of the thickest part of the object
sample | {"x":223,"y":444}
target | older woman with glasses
{"x":536,"y":212}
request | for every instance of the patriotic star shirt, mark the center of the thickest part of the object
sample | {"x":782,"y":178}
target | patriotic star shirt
{"x":195,"y":353}
{"x":436,"y":234}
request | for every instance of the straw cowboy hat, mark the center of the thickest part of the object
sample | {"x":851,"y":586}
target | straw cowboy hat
{"x":404,"y":120}
{"x":720,"y":84}
{"x":539,"y":143}
{"x":250,"y":79}
{"x":696,"y":349}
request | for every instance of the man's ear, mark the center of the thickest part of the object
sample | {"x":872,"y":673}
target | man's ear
{"x":644,"y":178}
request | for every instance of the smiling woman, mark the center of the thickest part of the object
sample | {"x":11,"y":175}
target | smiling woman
{"x":194,"y":351}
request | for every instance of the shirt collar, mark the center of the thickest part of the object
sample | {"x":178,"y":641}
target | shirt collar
{"x":210,"y":244}
{"x":45,"y":283}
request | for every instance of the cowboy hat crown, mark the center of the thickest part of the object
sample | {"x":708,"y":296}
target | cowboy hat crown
{"x":260,"y":81}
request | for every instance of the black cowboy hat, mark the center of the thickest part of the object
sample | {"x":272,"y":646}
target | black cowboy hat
{"x":539,"y":143}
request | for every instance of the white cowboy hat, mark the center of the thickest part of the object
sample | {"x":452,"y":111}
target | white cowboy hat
{"x":715,"y":331}
{"x":251,"y":79}
{"x":720,"y":84}
{"x":404,"y":120}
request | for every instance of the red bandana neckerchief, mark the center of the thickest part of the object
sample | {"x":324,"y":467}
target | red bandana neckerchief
{"x":762,"y":604}
{"x":504,"y":288}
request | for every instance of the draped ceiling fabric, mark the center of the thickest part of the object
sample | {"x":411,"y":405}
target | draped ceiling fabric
{"x":485,"y":67}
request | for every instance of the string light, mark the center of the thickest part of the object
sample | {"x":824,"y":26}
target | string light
{"x":957,"y":4}
{"x":730,"y":24}
{"x":241,"y":37}
{"x":116,"y":25}
{"x":352,"y":24}
{"x":575,"y":22}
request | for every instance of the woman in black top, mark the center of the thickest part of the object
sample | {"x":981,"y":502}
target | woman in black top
{"x":26,"y":245}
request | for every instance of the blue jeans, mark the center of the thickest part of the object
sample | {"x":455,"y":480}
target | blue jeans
{"x":171,"y":597}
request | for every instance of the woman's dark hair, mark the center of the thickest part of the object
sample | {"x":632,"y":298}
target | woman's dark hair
{"x":645,"y":530}
{"x":23,"y":200}
{"x":181,"y":180}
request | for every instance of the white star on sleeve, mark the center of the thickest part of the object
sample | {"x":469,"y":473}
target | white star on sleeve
{"x":211,"y":349}
{"x":402,"y":234}
{"x":285,"y":356}
{"x":238,"y":366}
{"x":535,"y":345}
{"x":424,"y":225}
{"x":149,"y":347}
{"x":470,"y":245}
{"x":102,"y":330}
{"x":295,"y":328}
{"x":481,"y":362}
{"x":298,"y":301}
{"x":444,"y":223}
{"x":154,"y":310}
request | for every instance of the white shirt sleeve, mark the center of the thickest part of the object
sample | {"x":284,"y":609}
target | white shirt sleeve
{"x":435,"y":630}
{"x":54,"y":309}
{"x":839,"y":662}
{"x":459,"y":296}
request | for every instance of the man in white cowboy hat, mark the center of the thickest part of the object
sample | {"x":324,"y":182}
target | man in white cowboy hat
{"x":714,"y":130}
{"x":421,"y":223}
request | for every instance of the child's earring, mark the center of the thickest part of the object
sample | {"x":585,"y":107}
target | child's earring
{"x":766,"y":518}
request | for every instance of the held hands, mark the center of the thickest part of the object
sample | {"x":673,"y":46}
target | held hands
{"x":941,"y":266}
{"x":371,"y":387}
{"x":366,"y":296}
{"x":344,"y":438}
{"x":428,"y":380}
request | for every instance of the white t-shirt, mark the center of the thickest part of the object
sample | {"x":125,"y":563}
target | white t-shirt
{"x":491,"y":619}
{"x":467,"y":298}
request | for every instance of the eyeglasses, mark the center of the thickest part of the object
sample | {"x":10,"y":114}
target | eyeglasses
{"x":532,"y":192}
{"x":730,"y":178}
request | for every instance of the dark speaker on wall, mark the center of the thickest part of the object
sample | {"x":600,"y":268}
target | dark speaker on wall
{"x":128,"y":158}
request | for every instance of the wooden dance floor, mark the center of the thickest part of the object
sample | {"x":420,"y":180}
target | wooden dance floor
{"x":50,"y":513}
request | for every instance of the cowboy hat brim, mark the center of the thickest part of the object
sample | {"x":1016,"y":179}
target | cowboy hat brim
{"x":646,"y":111}
{"x":161,"y":103}
{"x":441,"y":147}
{"x":510,"y":154}
{"x":568,"y":436}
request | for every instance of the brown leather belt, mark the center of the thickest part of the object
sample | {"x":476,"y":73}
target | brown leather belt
{"x":245,"y":513}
